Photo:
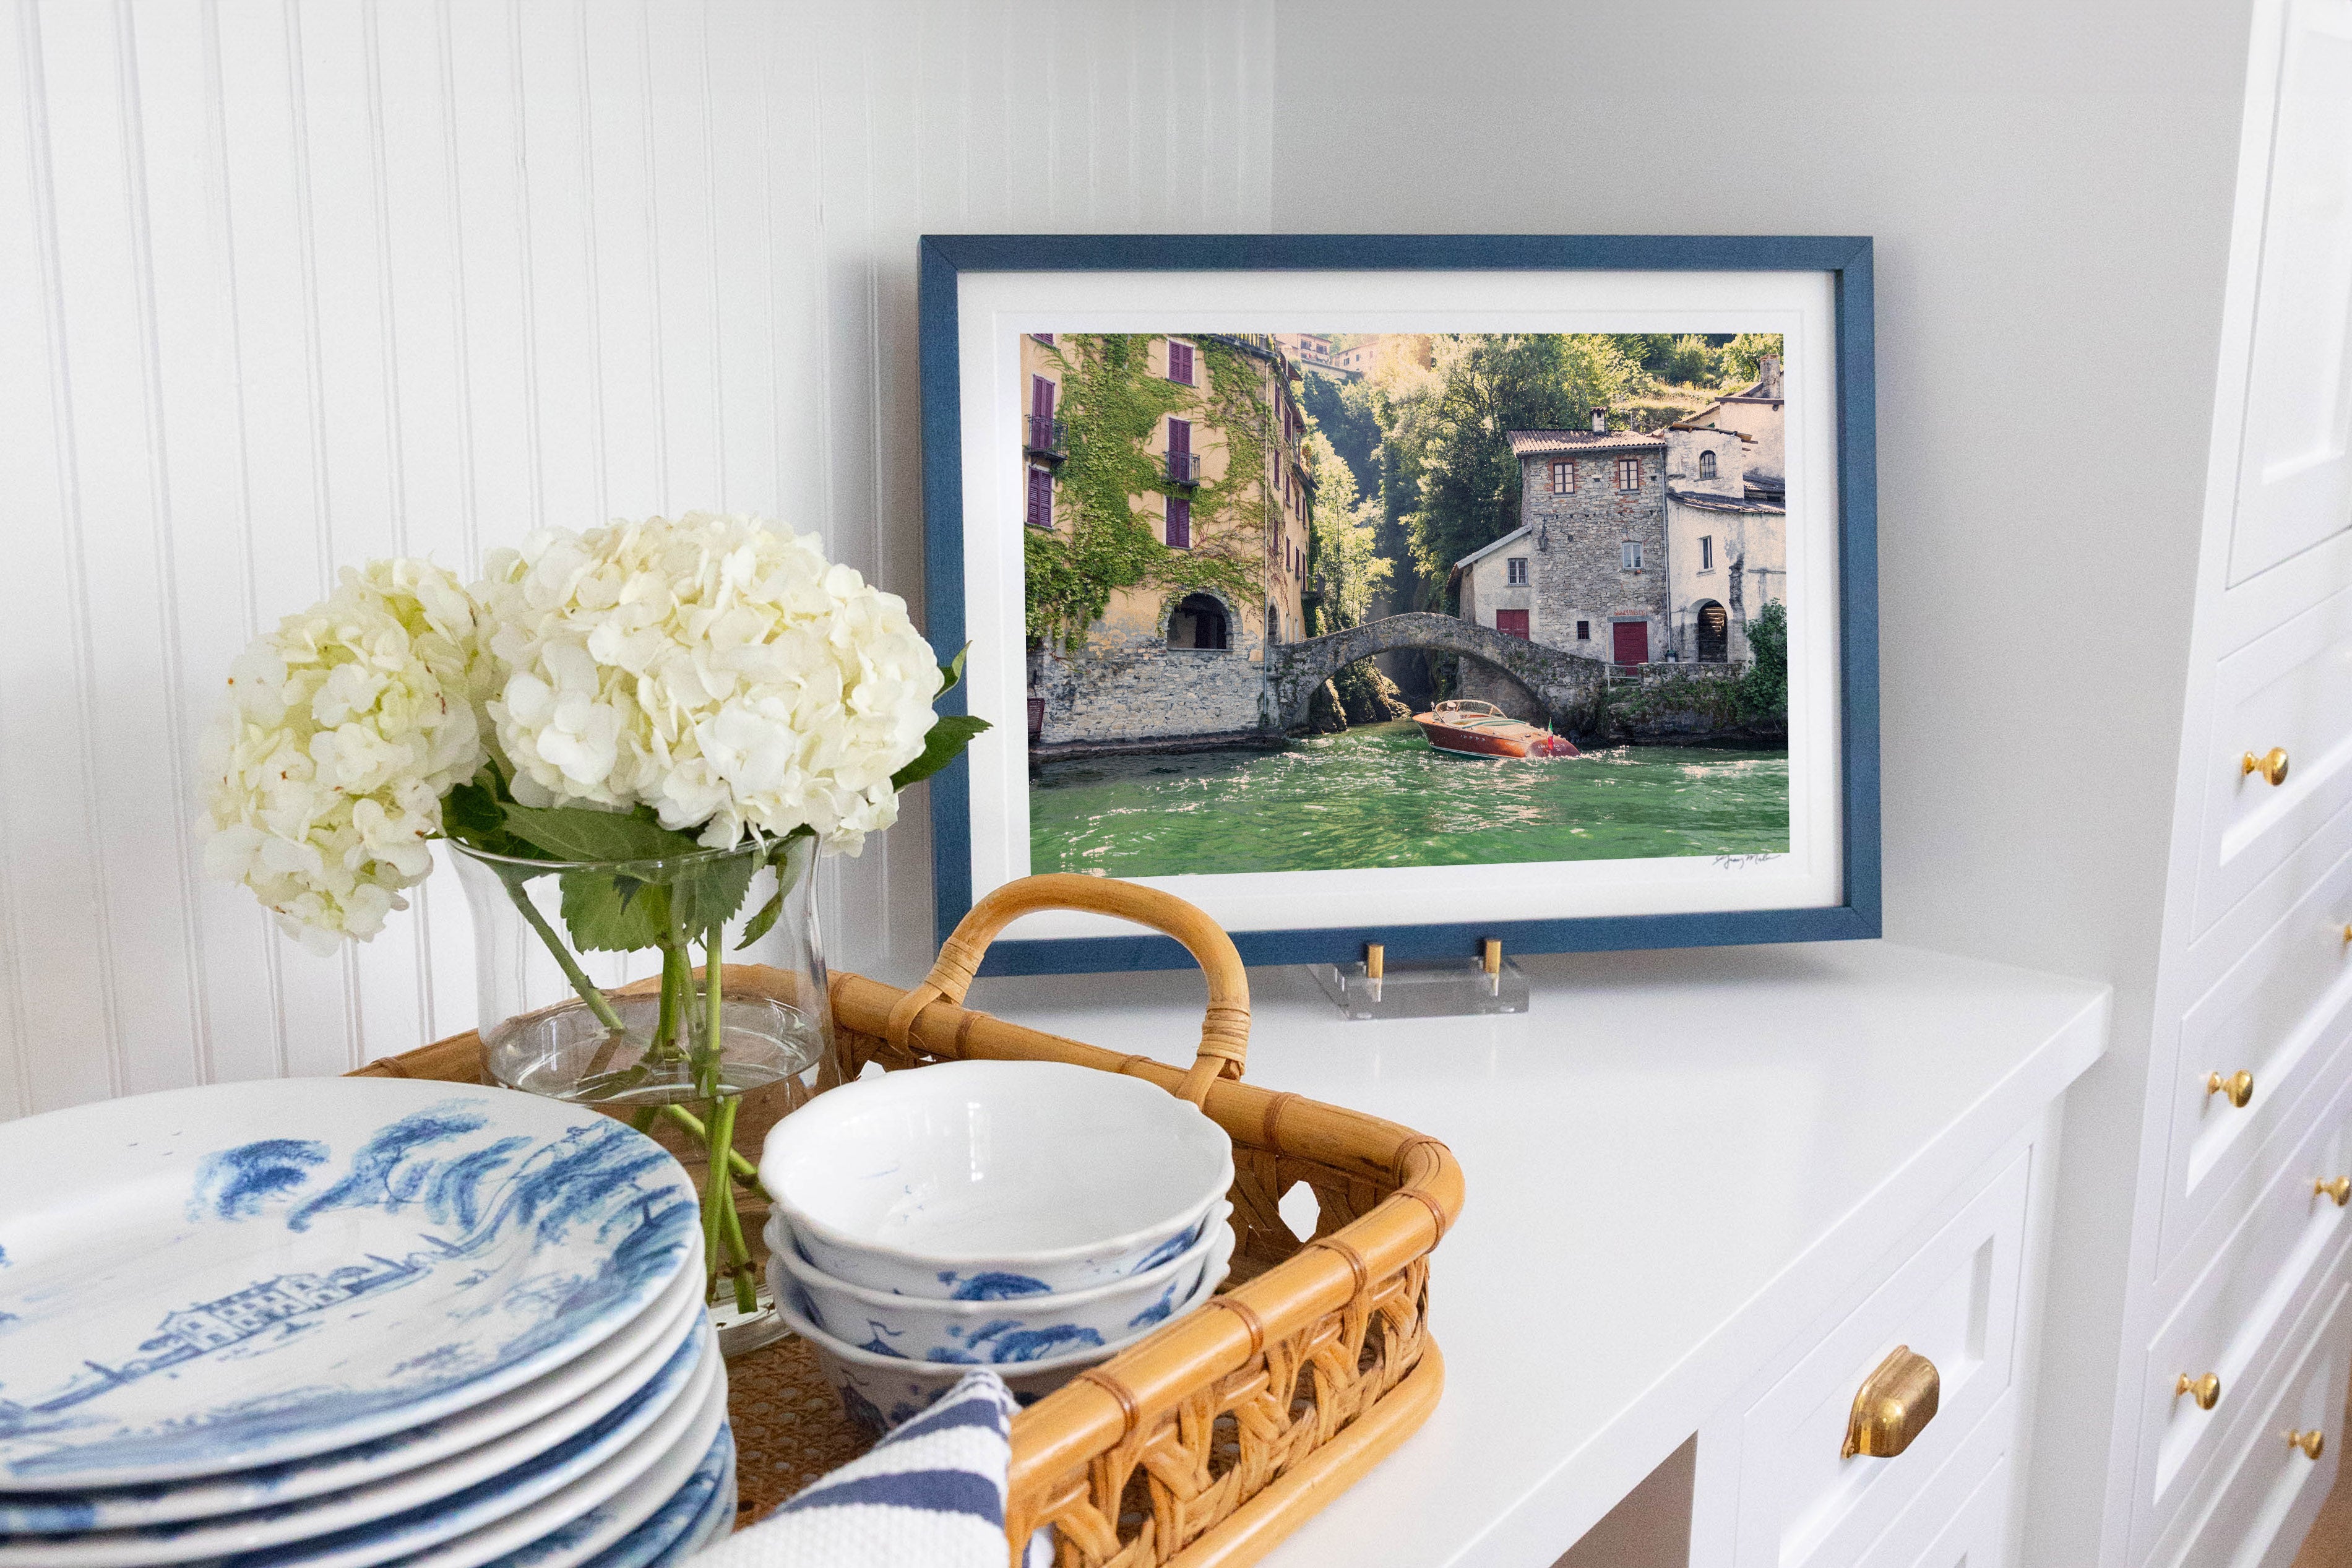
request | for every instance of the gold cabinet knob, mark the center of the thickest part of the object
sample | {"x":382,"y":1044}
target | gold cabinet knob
{"x":1893,"y":1406}
{"x":2238,"y":1086}
{"x":2336,"y":1187}
{"x":2206,"y":1390}
{"x":2271,"y":764}
{"x":2313,"y":1443}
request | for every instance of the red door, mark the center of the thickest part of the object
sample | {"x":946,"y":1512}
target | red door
{"x":1633,"y":641}
{"x":1511,"y":622}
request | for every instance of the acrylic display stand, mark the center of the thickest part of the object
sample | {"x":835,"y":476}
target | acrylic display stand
{"x":1448,"y":988}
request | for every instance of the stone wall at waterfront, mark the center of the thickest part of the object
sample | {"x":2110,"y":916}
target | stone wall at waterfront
{"x":1139,"y":688}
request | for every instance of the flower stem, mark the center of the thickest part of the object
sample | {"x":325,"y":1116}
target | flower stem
{"x":718,"y":1194}
{"x":741,"y":1169}
{"x":570,"y":965}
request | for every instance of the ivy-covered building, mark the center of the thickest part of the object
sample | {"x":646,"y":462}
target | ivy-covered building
{"x":1166,"y":505}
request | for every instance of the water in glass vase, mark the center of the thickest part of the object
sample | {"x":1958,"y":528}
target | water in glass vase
{"x":566,"y":1052}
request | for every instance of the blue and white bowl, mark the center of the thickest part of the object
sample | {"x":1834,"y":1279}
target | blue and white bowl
{"x":1007,"y":1323}
{"x":879,"y":1392}
{"x":1034,"y":1176}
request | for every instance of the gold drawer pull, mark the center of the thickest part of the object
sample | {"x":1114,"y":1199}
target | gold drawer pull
{"x":2271,"y":764}
{"x":2238,"y":1086}
{"x":2313,"y":1443}
{"x":1893,"y":1406}
{"x":2206,"y":1390}
{"x":2336,"y":1187}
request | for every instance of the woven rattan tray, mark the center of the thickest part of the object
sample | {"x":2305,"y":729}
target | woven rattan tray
{"x":1209,"y":1440}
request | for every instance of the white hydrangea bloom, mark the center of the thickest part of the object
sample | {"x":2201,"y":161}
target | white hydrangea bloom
{"x":716,"y":668}
{"x":343,"y":729}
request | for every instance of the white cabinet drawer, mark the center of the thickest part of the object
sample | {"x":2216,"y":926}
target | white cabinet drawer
{"x":1961,"y":1516}
{"x":2235,"y":1316}
{"x":2265,"y":1504}
{"x":2279,"y":1014}
{"x":2289,"y":690}
{"x":1954,"y":1301}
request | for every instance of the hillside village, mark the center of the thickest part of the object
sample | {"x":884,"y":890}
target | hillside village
{"x":1201,"y":509}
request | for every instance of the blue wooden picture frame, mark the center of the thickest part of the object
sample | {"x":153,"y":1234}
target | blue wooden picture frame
{"x":944,"y":258}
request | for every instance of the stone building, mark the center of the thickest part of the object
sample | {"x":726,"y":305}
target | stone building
{"x":1585,"y":570}
{"x":1727,"y":521}
{"x":1593,"y":503}
{"x":1188,"y":660}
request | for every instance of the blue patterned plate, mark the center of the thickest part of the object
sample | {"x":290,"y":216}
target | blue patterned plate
{"x":692,"y":1518}
{"x":473,"y":1443}
{"x":406,"y":1511}
{"x":217,"y":1279}
{"x":569,"y":1528}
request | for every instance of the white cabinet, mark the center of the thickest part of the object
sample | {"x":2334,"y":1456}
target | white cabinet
{"x":2233,"y":1325}
{"x":1805,"y":1503}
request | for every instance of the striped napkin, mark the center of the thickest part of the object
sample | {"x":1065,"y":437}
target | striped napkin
{"x":930,"y":1495}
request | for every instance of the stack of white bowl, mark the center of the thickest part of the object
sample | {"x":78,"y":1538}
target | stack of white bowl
{"x":1031,"y":1216}
{"x":333,"y":1322}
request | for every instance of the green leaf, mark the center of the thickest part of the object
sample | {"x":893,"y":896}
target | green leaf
{"x":760,"y":924}
{"x":709,"y":894}
{"x":471,"y":815}
{"x":951,"y":672}
{"x":943,"y":745}
{"x":606,"y":913}
{"x":580,"y":833}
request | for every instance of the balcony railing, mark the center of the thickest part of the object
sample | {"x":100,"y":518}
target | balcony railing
{"x":1045,"y":438}
{"x":1183,"y":468}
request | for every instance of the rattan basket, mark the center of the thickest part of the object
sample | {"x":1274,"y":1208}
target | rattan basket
{"x":1211,"y":1439}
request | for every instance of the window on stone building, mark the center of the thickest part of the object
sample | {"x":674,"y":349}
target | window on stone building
{"x":1584,"y":631}
{"x":1514,"y":569}
{"x":1706,"y":552}
{"x":1180,"y":362}
{"x":1628,"y":473}
{"x":1706,"y":465}
{"x":1179,"y":523}
{"x":1041,"y":498}
{"x":1563,"y":476}
{"x":1631,"y":553}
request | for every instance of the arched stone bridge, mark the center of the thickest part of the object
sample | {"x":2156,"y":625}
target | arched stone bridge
{"x":1561,"y":682}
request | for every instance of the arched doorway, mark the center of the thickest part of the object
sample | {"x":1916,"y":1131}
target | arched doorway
{"x":1714,"y":632}
{"x":1198,"y":621}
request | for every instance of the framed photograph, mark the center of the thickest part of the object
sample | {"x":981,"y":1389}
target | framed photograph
{"x":1414,"y":590}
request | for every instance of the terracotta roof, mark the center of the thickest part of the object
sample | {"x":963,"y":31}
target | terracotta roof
{"x":1535,"y":443}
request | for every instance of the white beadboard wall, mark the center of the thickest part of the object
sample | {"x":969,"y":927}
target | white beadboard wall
{"x":288,"y":284}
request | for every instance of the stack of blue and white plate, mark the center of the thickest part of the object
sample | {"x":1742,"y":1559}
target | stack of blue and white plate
{"x":344,"y":1321}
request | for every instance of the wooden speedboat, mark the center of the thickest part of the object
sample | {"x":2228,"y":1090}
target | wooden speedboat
{"x":1473,"y":729}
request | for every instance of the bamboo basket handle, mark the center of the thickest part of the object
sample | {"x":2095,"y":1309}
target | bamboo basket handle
{"x":1224,"y":1032}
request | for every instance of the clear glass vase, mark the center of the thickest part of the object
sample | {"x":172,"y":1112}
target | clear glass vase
{"x":595,"y":987}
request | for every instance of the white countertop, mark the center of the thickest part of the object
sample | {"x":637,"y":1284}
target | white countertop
{"x":1676,"y":1162}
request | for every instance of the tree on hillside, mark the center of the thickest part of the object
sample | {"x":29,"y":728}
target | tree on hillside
{"x":1343,"y":412}
{"x":1481,"y":387}
{"x":1342,"y":562}
{"x":1743,"y":355}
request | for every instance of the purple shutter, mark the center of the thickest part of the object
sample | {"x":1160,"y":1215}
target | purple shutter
{"x":1180,"y":362}
{"x":1179,"y":449}
{"x":1041,"y":398}
{"x":1041,"y":499}
{"x":1179,"y":523}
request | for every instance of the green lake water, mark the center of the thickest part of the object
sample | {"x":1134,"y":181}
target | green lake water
{"x":1380,"y":796}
